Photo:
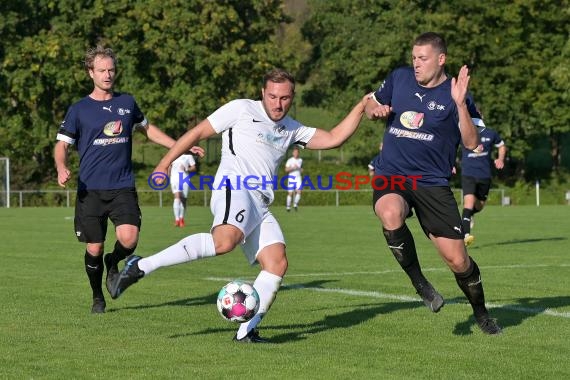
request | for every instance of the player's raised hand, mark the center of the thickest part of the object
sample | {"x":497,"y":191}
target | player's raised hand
{"x":460,"y":85}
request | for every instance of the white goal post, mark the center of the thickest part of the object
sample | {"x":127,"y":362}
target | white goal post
{"x":4,"y":182}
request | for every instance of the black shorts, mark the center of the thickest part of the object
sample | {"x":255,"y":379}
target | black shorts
{"x":94,"y":207}
{"x":476,"y":186}
{"x":435,"y":207}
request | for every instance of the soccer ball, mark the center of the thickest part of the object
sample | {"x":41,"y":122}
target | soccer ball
{"x":238,"y":301}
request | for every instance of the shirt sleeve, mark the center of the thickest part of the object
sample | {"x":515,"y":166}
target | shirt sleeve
{"x":303,"y":135}
{"x":225,"y":117}
{"x":68,"y":131}
{"x":139,"y":120}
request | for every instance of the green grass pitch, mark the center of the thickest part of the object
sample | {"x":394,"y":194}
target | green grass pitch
{"x":346,"y":309}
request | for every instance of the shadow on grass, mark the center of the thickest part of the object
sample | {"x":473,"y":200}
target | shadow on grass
{"x":296,"y":332}
{"x":517,"y":241}
{"x":514,"y":314}
{"x":508,"y":315}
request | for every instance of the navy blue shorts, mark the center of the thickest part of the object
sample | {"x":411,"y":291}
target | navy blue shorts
{"x":435,"y":207}
{"x":94,"y":207}
{"x":476,"y":186}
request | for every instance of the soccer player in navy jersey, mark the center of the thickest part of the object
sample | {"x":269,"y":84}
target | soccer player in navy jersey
{"x":427,"y":115}
{"x":101,"y":125}
{"x":476,"y":175}
{"x":256,"y":135}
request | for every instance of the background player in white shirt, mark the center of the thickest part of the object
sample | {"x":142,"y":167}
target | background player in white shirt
{"x":293,"y":168}
{"x":255,"y":138}
{"x":180,"y":169}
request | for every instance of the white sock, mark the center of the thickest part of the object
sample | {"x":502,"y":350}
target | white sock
{"x":176,"y":208}
{"x":181,"y":211}
{"x":297,"y":199}
{"x":193,"y":247}
{"x":267,"y":285}
{"x":288,"y":200}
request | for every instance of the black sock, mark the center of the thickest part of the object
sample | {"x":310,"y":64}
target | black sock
{"x":94,"y":269}
{"x":119,"y":253}
{"x":401,"y":243}
{"x":472,"y":286}
{"x":466,"y":220}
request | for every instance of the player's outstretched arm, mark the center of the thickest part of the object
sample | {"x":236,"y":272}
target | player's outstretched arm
{"x":375,"y":110}
{"x":200,"y":132}
{"x":338,"y":135}
{"x":156,"y":135}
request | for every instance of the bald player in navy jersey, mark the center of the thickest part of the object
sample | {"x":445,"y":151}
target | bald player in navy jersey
{"x":427,"y":116}
{"x":101,"y":125}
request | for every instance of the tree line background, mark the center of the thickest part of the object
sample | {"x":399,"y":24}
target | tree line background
{"x":182,"y":59}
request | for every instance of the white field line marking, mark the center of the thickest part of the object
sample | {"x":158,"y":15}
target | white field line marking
{"x":381,"y":295}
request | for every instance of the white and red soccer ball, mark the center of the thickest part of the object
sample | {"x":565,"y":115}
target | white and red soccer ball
{"x":238,"y":301}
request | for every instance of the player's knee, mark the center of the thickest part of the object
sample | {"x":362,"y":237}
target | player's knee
{"x":277,"y":265}
{"x":95,"y":249}
{"x":129,"y":241}
{"x":224,"y":246}
{"x":391,"y":218}
{"x":458,"y":263}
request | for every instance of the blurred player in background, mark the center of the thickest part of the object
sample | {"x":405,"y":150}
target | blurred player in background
{"x":476,"y":175}
{"x":180,"y":169}
{"x":293,"y":168}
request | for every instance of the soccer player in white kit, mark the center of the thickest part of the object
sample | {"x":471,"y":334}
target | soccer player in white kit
{"x":180,"y":169}
{"x":255,"y":138}
{"x":294,"y":168}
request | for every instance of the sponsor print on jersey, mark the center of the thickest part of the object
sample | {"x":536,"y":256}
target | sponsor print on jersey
{"x":113,"y":128}
{"x":111,"y":141}
{"x":412,"y":119}
{"x":275,"y":140}
{"x":479,"y":148}
{"x":410,"y":134}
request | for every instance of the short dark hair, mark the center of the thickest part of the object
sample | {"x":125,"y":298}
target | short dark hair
{"x":99,"y":50}
{"x":433,"y":39}
{"x":278,"y":76}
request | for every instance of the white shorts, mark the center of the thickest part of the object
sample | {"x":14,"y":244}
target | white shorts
{"x":246,"y":210}
{"x":175,"y":184}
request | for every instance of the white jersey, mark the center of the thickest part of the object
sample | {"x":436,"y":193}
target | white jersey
{"x":253,"y":145}
{"x":182,"y":164}
{"x":180,"y":170}
{"x":295,"y":164}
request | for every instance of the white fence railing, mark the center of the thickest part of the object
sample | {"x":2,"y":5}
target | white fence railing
{"x":66,"y":198}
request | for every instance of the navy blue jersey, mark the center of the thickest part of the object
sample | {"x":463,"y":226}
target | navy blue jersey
{"x":102,"y":131}
{"x":422,"y":132}
{"x":477,"y":163}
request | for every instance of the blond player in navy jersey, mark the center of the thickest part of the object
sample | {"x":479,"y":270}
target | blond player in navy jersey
{"x":101,"y":125}
{"x":427,"y":115}
{"x":255,"y":139}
